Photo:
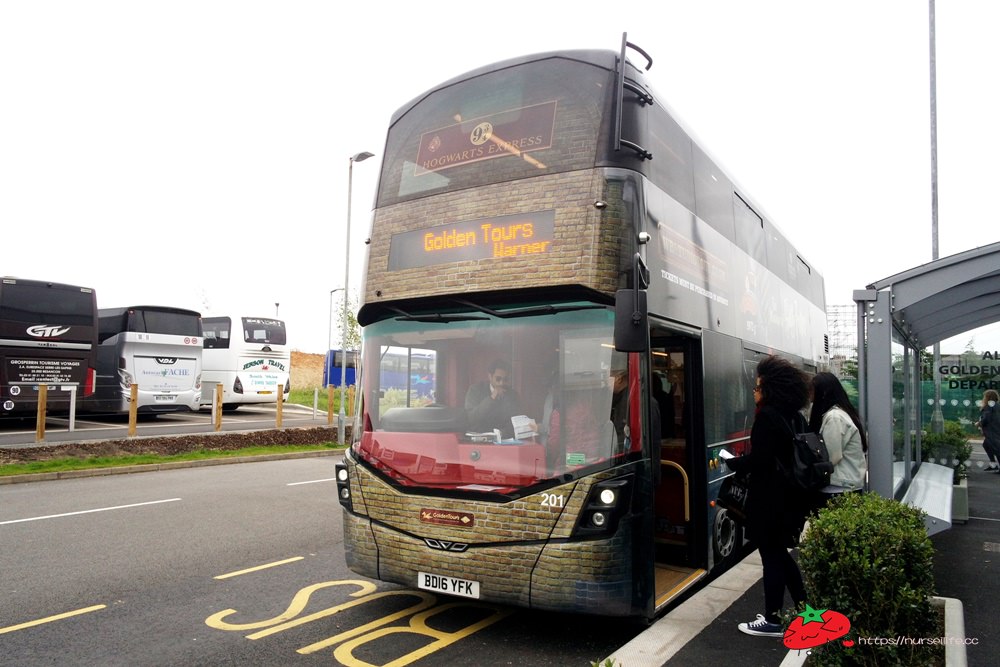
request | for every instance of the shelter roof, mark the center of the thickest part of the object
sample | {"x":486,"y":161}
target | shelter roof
{"x":946,"y":297}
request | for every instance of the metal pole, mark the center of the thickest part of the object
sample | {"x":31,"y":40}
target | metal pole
{"x":329,"y":343}
{"x":347,"y":278}
{"x":937,"y":417}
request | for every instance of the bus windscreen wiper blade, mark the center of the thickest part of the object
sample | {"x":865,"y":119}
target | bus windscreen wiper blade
{"x":530,"y":310}
{"x":435,"y":317}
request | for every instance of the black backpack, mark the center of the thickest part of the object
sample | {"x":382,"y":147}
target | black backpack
{"x":811,"y":467}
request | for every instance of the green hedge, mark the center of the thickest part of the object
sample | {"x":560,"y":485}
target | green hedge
{"x":870,"y":559}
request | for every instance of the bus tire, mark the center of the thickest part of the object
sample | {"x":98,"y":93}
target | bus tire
{"x":725,"y":534}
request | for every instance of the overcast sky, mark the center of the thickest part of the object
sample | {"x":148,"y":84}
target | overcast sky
{"x":195,"y":153}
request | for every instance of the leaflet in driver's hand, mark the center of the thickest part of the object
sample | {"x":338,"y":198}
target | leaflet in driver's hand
{"x":524,"y":427}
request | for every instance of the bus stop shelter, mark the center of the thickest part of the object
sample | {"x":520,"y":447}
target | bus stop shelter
{"x":897,"y":318}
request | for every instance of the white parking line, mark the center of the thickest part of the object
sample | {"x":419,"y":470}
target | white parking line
{"x":100,"y":509}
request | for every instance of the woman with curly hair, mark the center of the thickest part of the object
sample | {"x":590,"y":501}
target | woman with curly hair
{"x":775,"y":511}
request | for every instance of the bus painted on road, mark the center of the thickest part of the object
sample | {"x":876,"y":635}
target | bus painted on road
{"x":248,"y":356}
{"x":157,"y":348}
{"x":48,"y":334}
{"x":592,"y":294}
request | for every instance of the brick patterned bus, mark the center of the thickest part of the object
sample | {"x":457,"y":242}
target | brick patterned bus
{"x":594,"y":293}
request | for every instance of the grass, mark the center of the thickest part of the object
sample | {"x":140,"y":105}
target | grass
{"x":305,"y":397}
{"x":66,"y":464}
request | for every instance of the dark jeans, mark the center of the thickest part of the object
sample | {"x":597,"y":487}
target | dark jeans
{"x":780,"y":572}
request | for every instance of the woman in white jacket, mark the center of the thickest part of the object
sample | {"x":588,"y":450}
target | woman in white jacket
{"x":834,"y":417}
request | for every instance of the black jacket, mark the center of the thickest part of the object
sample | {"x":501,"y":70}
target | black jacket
{"x":775,"y":511}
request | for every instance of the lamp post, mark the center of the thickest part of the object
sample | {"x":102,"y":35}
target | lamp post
{"x":329,"y":337}
{"x":358,"y":157}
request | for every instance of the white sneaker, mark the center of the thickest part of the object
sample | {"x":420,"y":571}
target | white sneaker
{"x":762,"y":628}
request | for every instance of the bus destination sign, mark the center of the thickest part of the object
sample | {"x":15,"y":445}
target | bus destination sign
{"x":513,"y":132}
{"x":486,"y":238}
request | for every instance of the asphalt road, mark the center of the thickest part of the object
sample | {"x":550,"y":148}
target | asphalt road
{"x":236,"y":565}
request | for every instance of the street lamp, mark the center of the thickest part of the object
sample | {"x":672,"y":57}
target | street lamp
{"x":329,"y":337}
{"x":358,"y":157}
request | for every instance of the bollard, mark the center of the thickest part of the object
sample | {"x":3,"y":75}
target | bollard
{"x":217,"y":407}
{"x":43,"y":398}
{"x":133,"y":409}
{"x":281,"y":403}
{"x":329,"y":405}
{"x":315,"y":401}
{"x":72,"y":408}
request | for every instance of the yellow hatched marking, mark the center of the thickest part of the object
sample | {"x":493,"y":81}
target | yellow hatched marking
{"x":50,"y":619}
{"x":259,"y":567}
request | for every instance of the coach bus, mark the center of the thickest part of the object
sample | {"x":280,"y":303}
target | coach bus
{"x":407,"y":372}
{"x":48,"y":333}
{"x":156,"y":348}
{"x":554,"y":241}
{"x":248,"y":356}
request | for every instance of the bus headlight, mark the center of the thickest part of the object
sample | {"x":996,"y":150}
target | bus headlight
{"x":606,"y":504}
{"x":344,"y":486}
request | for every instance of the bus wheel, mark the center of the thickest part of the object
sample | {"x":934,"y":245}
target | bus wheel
{"x":724,"y":532}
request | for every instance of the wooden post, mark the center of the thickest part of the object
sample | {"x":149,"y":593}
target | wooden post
{"x":133,"y":409}
{"x":43,"y":399}
{"x":281,"y":402}
{"x":217,"y":407}
{"x":329,"y":405}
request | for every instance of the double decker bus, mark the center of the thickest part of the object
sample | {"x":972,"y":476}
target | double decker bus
{"x":248,"y":356}
{"x":48,"y":333}
{"x":547,"y":236}
{"x":156,"y":348}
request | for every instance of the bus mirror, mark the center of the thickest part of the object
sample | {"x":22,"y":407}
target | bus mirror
{"x":631,"y":322}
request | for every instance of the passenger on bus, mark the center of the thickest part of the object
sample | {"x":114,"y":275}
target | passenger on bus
{"x":619,"y":399}
{"x":492,"y":403}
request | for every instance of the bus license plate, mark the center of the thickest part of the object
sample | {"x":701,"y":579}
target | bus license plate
{"x":450,"y":585}
{"x":163,"y":397}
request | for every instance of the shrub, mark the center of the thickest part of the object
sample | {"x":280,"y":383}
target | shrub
{"x":950,"y":448}
{"x":870,"y":559}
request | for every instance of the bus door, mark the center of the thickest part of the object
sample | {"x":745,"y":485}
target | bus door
{"x":679,"y":517}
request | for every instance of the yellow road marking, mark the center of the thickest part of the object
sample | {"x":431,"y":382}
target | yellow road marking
{"x":50,"y":619}
{"x":259,"y":567}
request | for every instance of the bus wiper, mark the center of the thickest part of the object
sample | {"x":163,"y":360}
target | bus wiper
{"x":434,"y":317}
{"x":547,"y":309}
